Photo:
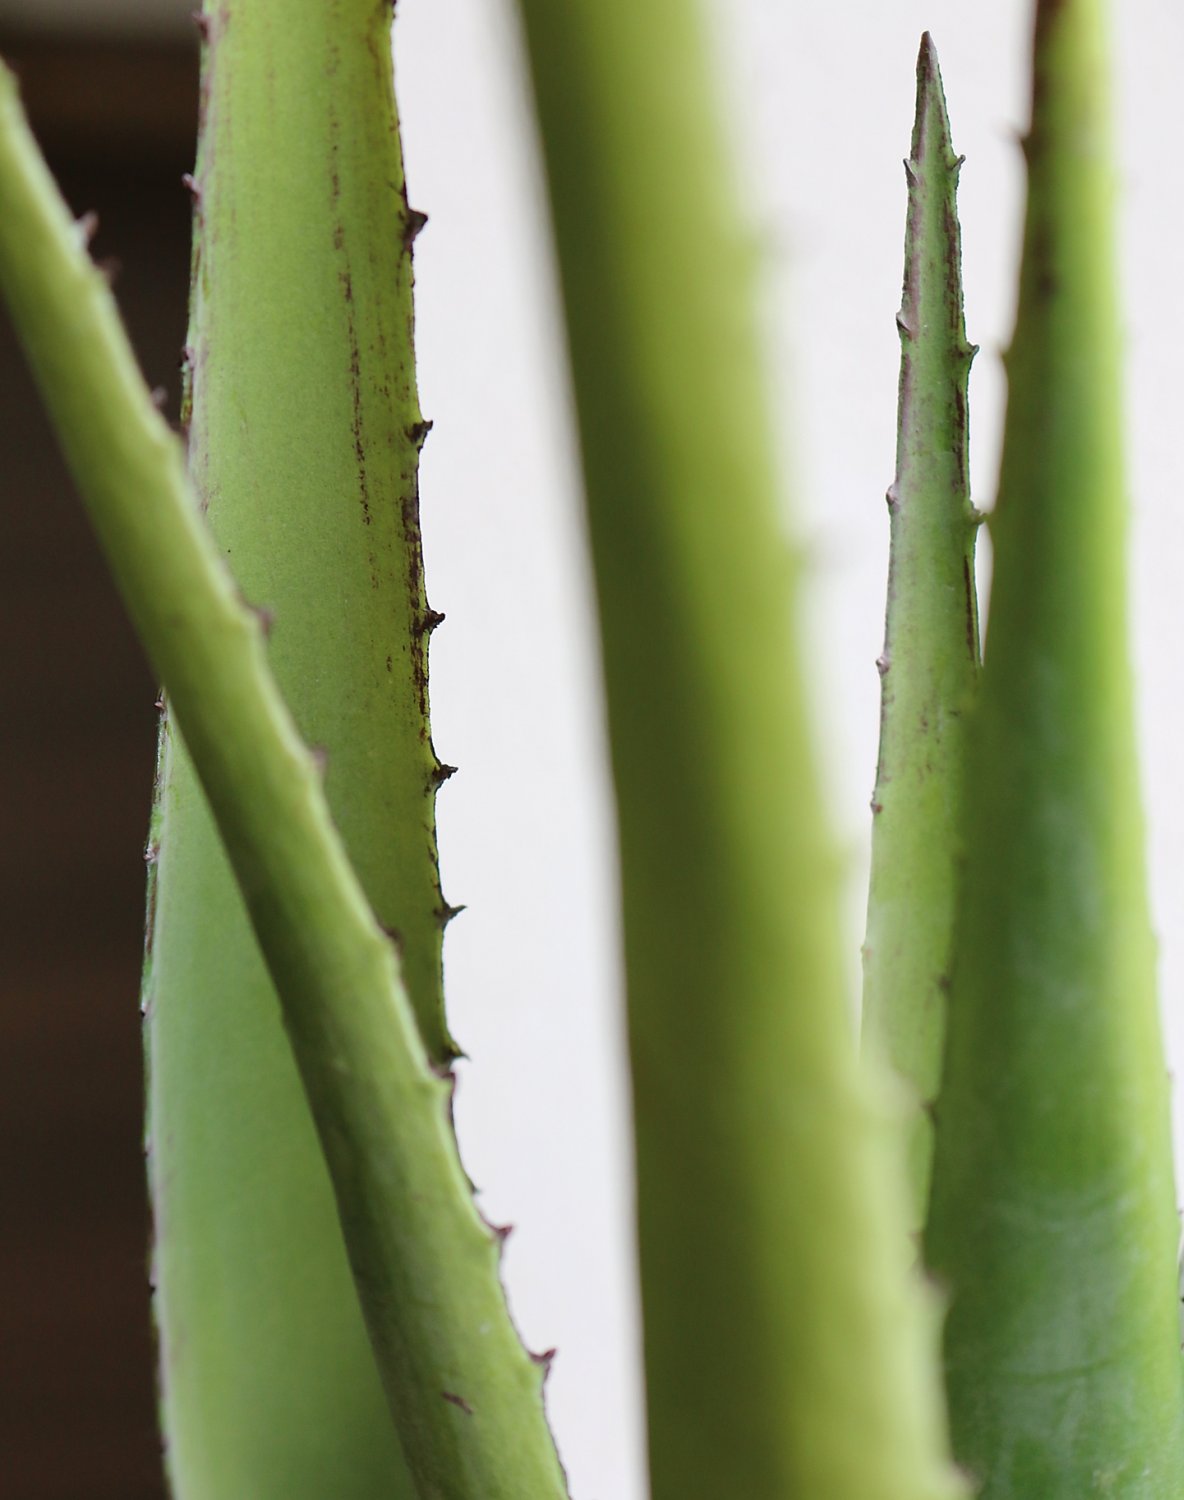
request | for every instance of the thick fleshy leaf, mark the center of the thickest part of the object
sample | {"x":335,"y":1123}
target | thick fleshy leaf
{"x":1052,"y":1219}
{"x":929,"y":666}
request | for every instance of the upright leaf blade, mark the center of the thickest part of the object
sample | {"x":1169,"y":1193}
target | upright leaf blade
{"x":930,"y":661}
{"x":787,"y":1350}
{"x":1052,"y":1217}
{"x":303,"y":443}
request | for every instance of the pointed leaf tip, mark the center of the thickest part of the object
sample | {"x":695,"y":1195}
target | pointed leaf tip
{"x":928,"y":67}
{"x":931,"y":115}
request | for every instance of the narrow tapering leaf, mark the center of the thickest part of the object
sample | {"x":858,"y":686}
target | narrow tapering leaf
{"x":788,"y":1351}
{"x":1052,"y":1217}
{"x":303,"y":443}
{"x":930,"y":660}
{"x":465,"y":1395}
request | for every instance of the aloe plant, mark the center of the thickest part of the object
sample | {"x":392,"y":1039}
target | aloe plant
{"x":366,"y":1072}
{"x":302,"y":1133}
{"x":749,"y":1111}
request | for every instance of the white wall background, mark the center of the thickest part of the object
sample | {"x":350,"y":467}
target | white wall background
{"x":821,"y":102}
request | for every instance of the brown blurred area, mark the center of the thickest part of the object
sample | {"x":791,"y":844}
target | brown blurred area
{"x":77,"y":732}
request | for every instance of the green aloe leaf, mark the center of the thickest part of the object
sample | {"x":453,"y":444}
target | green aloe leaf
{"x":303,"y":444}
{"x":1052,"y":1218}
{"x":788,"y":1350}
{"x":930,"y":661}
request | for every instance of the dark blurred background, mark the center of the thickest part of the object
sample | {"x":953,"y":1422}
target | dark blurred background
{"x":115,"y":115}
